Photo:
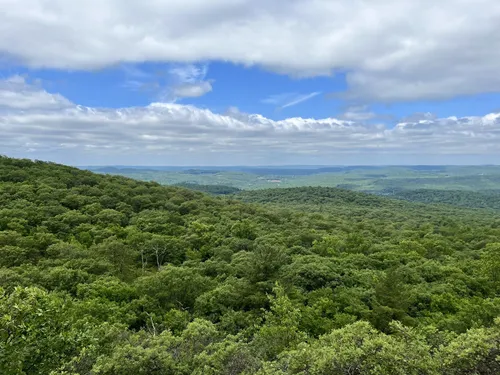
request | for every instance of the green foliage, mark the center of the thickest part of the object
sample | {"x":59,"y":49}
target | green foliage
{"x":107,"y":275}
{"x":491,"y":263}
{"x":41,"y":332}
{"x":489,"y":199}
{"x":210,"y":189}
{"x":175,"y":287}
{"x":390,"y":300}
{"x":468,"y":186}
{"x":281,"y":328}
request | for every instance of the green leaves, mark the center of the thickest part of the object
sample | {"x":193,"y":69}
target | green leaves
{"x":491,"y":264}
{"x":38,"y":332}
{"x":105,"y":275}
{"x":281,"y":328}
{"x":175,"y":287}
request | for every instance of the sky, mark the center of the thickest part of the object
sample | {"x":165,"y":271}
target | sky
{"x":250,"y":82}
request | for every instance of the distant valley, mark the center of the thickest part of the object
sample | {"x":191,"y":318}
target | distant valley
{"x":465,"y":186}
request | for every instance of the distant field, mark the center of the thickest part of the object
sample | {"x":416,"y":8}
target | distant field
{"x":461,"y":186}
{"x":379,"y":180}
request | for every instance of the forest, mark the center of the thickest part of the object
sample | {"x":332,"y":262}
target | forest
{"x":210,"y":189}
{"x":106,"y":275}
{"x":399,"y":181}
{"x":489,"y":199}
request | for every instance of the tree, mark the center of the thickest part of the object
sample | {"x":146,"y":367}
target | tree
{"x":165,"y":249}
{"x":491,"y":264}
{"x":175,"y":287}
{"x":120,"y":255}
{"x":391,"y":301}
{"x":141,"y":354}
{"x":281,"y":328}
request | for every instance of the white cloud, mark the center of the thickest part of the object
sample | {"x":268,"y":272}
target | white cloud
{"x":189,"y":81}
{"x":171,"y":84}
{"x":192,"y":90}
{"x":134,"y":72}
{"x":278,"y":99}
{"x":168,"y":133}
{"x":16,"y":93}
{"x":358,"y":113}
{"x":289,"y":99}
{"x":300,"y":99}
{"x":391,"y":49}
{"x":189,"y":73}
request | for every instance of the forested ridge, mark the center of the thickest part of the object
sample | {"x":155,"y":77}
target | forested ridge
{"x":107,"y":275}
{"x":489,"y":199}
{"x":210,"y":189}
{"x":418,"y":205}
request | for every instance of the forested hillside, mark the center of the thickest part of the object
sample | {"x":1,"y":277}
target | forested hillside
{"x":210,"y":189}
{"x":489,"y":199}
{"x":373,"y":179}
{"x":346,"y":203}
{"x":107,"y":275}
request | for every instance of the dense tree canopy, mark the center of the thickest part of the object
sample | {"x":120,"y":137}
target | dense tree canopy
{"x":107,"y":275}
{"x":210,"y":189}
{"x":488,"y":199}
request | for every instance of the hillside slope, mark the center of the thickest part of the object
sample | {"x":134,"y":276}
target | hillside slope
{"x":487,"y":199}
{"x":107,"y":275}
{"x":363,"y":206}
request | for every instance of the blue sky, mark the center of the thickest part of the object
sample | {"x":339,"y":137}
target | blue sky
{"x":246,"y":88}
{"x":250,"y":89}
{"x":251,"y":82}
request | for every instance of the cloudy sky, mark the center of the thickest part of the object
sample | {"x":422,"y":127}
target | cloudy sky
{"x":250,"y":82}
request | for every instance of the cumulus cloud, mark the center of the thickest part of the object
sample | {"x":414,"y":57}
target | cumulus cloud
{"x":170,"y":133}
{"x":390,"y":49}
{"x":16,"y":93}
